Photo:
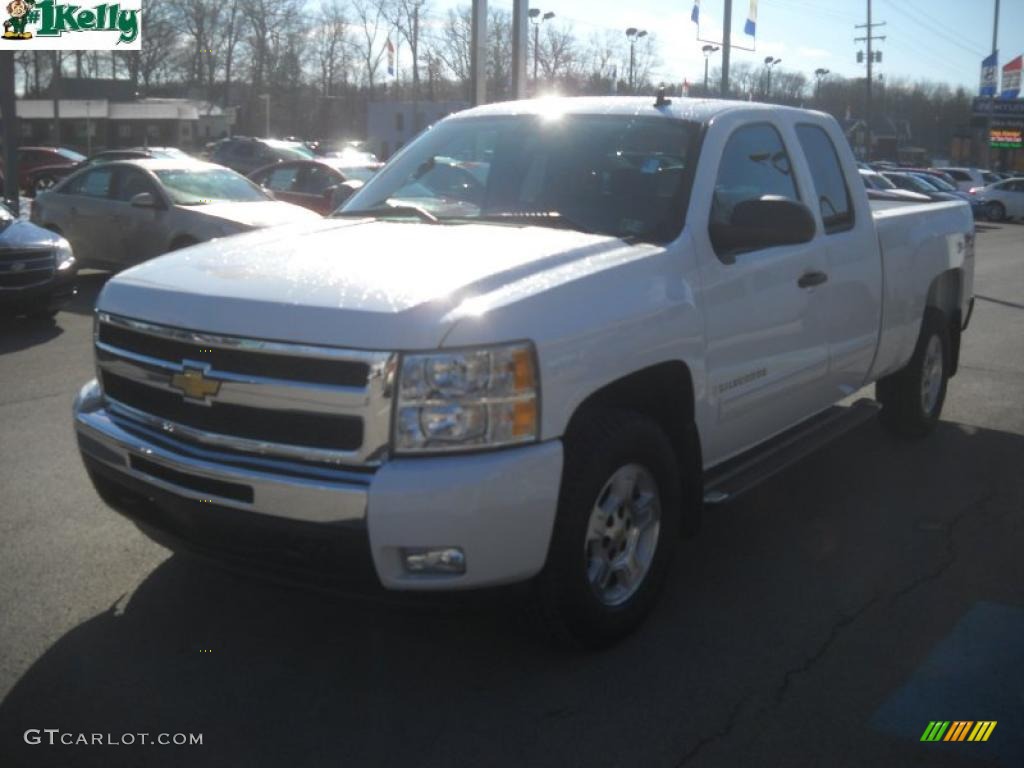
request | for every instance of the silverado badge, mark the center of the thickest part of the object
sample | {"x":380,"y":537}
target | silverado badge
{"x":194,"y":385}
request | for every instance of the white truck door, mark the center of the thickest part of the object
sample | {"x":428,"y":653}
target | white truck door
{"x":767,"y":354}
{"x":854,"y":264}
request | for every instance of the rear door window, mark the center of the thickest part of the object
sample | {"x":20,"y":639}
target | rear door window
{"x":829,"y":181}
{"x":282,"y":178}
{"x":94,"y":183}
{"x":316,"y":180}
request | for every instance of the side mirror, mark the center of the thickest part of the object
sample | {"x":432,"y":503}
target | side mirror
{"x":144,"y":200}
{"x":762,"y":223}
{"x":340,"y":193}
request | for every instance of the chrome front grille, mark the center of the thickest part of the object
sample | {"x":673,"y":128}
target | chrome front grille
{"x":25,"y":268}
{"x":251,"y":397}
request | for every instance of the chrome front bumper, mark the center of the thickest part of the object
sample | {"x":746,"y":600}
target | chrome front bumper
{"x":280,"y":489}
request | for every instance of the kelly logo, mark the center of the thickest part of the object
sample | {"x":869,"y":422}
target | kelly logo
{"x":54,"y":25}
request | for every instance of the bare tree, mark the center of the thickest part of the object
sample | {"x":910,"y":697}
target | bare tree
{"x":408,"y":16}
{"x":370,"y":42}
{"x":452,"y":43}
{"x":331,"y":45}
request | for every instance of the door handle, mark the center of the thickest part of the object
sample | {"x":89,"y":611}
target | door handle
{"x":811,"y":279}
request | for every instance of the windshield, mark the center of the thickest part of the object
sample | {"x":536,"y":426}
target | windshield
{"x":935,"y":181}
{"x":912,"y":183}
{"x":286,"y":151}
{"x":70,"y":154}
{"x":877,"y":181}
{"x":359,"y":174}
{"x":624,"y":176}
{"x":201,"y":187}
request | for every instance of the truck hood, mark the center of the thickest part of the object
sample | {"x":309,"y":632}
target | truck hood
{"x":357,"y":283}
{"x":266,"y":213}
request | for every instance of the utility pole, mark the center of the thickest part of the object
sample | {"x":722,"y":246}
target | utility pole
{"x":726,"y":44}
{"x":9,"y":115}
{"x":869,"y":27}
{"x":992,"y":98}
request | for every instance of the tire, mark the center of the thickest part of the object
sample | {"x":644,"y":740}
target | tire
{"x":612,"y":454}
{"x":912,"y":398}
{"x":996,"y":211}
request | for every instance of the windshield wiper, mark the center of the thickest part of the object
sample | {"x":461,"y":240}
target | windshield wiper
{"x":555,"y":219}
{"x":383,"y":211}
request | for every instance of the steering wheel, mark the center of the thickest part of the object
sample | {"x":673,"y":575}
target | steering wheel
{"x":453,"y":182}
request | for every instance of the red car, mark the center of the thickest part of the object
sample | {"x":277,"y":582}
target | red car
{"x":314,"y":184}
{"x":31,"y":158}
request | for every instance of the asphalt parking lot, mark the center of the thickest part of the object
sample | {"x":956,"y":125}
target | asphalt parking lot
{"x":825,"y":619}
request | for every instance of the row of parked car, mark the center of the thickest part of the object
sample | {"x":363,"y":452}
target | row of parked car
{"x":991,"y":195}
{"x":119,"y":207}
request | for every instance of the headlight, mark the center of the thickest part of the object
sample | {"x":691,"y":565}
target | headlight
{"x":65,"y":260}
{"x":477,"y":398}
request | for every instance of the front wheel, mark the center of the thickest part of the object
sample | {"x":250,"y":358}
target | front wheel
{"x":996,"y":211}
{"x":912,"y":398}
{"x":615,"y":532}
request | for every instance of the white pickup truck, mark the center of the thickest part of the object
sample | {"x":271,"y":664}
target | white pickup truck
{"x":533,"y":347}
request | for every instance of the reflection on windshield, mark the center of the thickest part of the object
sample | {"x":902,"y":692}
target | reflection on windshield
{"x":200,"y":187}
{"x":619,"y":175}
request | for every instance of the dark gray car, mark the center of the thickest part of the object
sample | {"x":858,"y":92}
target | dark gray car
{"x":37,"y":269}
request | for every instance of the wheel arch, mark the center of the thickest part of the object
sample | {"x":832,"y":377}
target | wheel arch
{"x":664,"y":392}
{"x":945,"y":295}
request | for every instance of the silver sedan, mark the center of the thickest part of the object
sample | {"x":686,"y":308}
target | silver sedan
{"x":121,"y":213}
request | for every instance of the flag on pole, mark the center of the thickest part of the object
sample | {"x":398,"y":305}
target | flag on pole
{"x":695,"y":13}
{"x":391,"y":58}
{"x":750,"y":27}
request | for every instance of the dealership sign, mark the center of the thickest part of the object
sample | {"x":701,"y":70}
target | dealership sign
{"x":988,"y":76}
{"x":1006,"y":137}
{"x":47,"y":25}
{"x":1011,"y":79}
{"x":1014,"y":110}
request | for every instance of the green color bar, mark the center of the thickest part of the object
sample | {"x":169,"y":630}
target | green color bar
{"x":926,"y":736}
{"x":941,"y":731}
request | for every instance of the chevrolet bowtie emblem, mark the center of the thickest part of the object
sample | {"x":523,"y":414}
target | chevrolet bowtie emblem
{"x":194,"y":385}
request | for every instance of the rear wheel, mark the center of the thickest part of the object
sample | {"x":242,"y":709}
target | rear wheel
{"x":912,"y":398}
{"x":615,"y":532}
{"x":996,"y":211}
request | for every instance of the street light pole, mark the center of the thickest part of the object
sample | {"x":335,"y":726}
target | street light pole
{"x":819,"y":75}
{"x":266,"y":97}
{"x":633,"y":34}
{"x":769,"y":62}
{"x":708,"y":50}
{"x":538,"y":18}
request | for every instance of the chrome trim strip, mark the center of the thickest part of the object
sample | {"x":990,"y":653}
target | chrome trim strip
{"x":310,"y":500}
{"x":373,"y":359}
{"x":340,"y":474}
{"x":244,"y":445}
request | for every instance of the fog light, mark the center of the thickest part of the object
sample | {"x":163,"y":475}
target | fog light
{"x":444,"y":560}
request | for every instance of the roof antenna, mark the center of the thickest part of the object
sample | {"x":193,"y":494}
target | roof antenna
{"x":662,"y":100}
